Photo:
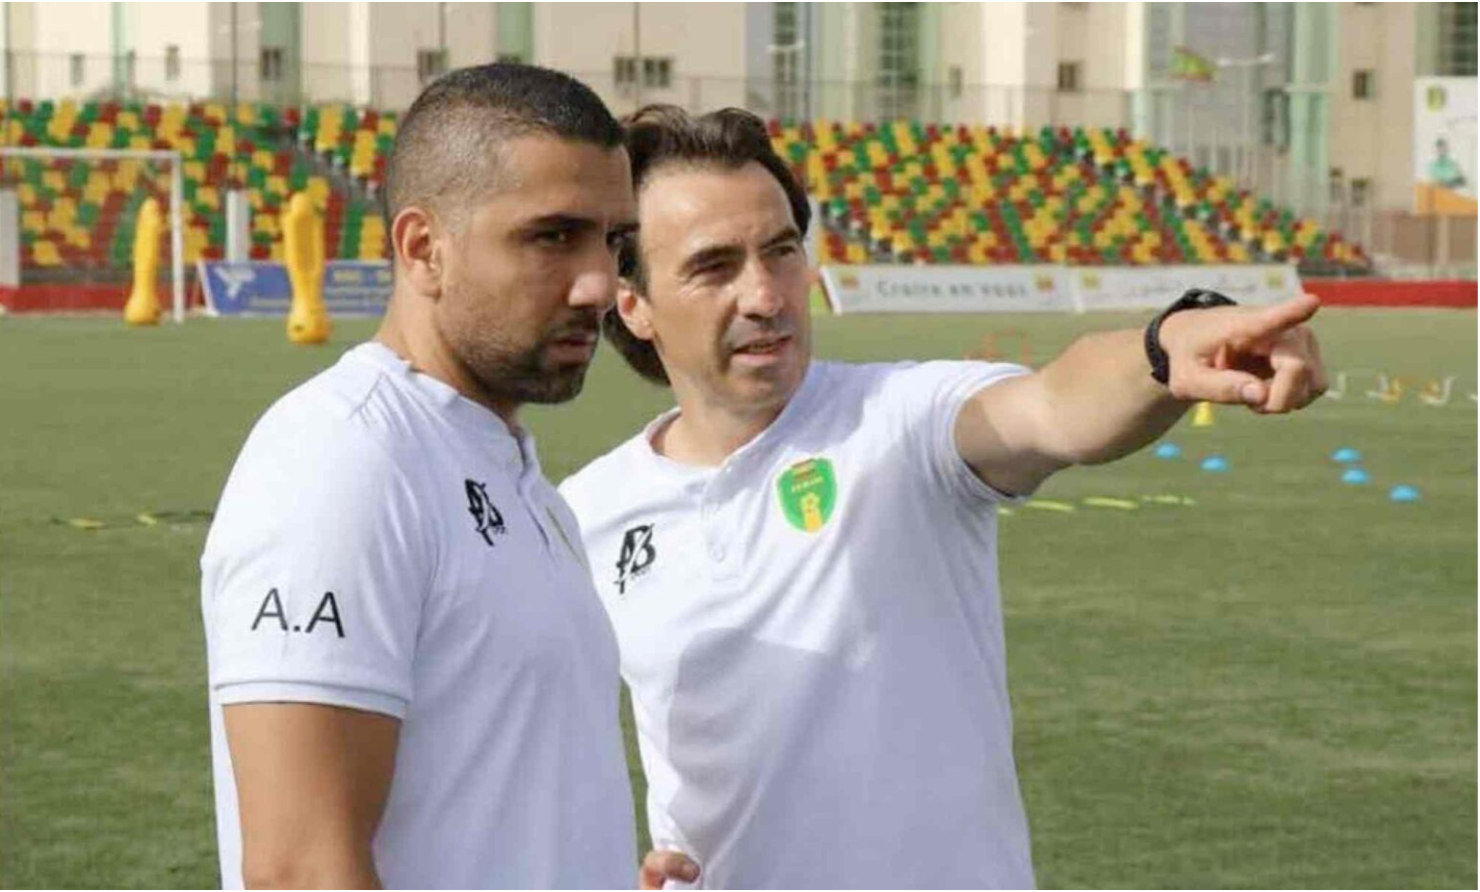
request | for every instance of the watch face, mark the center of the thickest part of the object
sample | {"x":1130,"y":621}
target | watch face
{"x":1202,"y":298}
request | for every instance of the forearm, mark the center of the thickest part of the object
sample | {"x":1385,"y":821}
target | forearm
{"x":306,"y":870}
{"x":1100,"y":401}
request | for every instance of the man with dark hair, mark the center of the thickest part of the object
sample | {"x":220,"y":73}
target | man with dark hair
{"x":800,"y":558}
{"x":411,"y":679}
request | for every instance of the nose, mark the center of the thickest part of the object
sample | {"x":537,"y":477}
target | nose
{"x":760,"y":295}
{"x":595,"y":286}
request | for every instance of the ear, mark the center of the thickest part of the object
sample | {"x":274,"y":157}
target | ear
{"x":418,"y":250}
{"x":635,"y":311}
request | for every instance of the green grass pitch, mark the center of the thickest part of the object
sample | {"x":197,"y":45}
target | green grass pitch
{"x":1273,"y":686}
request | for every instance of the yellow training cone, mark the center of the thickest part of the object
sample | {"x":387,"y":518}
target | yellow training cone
{"x":143,"y":301}
{"x":1202,"y":416}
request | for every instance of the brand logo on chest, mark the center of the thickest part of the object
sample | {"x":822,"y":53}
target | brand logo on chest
{"x":637,"y":556}
{"x":487,"y":520}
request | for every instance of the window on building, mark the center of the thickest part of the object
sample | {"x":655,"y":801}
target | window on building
{"x":1274,"y":129}
{"x":270,"y":64}
{"x":79,"y":68}
{"x":1457,"y":39}
{"x":787,"y":59}
{"x":624,"y":71}
{"x":1362,"y":84}
{"x":172,"y":62}
{"x":430,"y":64}
{"x":1069,"y":77}
{"x":899,"y":59}
{"x":1361,"y":192}
{"x":657,"y":72}
{"x":785,"y":23}
{"x":956,"y":81}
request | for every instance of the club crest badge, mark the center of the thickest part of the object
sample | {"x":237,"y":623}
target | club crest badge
{"x":808,"y":491}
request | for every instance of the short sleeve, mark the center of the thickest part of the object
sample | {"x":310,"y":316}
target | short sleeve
{"x":928,"y":398}
{"x":315,"y":571}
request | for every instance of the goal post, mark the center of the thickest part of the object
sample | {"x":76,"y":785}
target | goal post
{"x":72,"y":199}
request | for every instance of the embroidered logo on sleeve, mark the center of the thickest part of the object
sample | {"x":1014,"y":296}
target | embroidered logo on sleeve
{"x":808,"y":491}
{"x":488,"y":522}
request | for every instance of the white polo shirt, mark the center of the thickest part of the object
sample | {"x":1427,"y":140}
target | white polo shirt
{"x":385,"y":544}
{"x":813,"y":637}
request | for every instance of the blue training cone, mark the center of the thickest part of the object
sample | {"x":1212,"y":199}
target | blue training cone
{"x":1355,"y":476}
{"x":1404,"y":493}
{"x":1216,"y":464}
{"x":1346,"y":455}
{"x":1168,"y":450}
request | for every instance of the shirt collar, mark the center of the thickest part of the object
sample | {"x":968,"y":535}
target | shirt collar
{"x":512,"y":446}
{"x":761,"y":444}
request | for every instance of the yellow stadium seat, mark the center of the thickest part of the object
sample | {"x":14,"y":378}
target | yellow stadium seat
{"x":318,"y":191}
{"x":45,"y":253}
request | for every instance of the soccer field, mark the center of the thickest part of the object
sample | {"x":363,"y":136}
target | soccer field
{"x":1266,"y":681}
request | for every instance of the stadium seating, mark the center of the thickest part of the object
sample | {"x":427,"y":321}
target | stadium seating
{"x":900,"y":191}
{"x":908,"y":192}
{"x":81,"y":214}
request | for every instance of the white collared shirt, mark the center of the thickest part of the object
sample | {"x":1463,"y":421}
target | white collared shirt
{"x":387,"y":545}
{"x":812,"y":634}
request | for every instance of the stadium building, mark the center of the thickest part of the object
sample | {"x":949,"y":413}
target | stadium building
{"x":1078,"y":133}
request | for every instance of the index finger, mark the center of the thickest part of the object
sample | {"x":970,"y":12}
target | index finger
{"x":1281,"y":316}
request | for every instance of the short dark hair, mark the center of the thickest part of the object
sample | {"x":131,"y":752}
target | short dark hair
{"x":447,"y":146}
{"x":662,"y":135}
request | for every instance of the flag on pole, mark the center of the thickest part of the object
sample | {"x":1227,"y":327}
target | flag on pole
{"x":1189,"y":66}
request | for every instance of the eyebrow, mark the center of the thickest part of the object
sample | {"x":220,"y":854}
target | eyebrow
{"x":573,"y":223}
{"x":705,"y":256}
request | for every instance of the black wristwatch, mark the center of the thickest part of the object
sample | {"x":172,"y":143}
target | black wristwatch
{"x":1195,"y":299}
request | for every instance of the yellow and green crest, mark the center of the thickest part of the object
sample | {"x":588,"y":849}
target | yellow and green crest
{"x":808,"y":491}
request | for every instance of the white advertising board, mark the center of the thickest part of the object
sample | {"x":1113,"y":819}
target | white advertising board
{"x":1044,"y":288}
{"x":1444,"y":138}
{"x":1152,"y":287}
{"x":947,"y":289}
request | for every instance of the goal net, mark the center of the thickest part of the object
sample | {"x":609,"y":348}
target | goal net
{"x":71,"y":216}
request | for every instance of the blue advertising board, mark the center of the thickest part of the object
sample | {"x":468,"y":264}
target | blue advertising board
{"x":262,"y":288}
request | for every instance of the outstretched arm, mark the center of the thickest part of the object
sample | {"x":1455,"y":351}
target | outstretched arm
{"x":1098,"y":402}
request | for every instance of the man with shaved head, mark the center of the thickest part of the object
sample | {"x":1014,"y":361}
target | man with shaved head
{"x":412,"y":681}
